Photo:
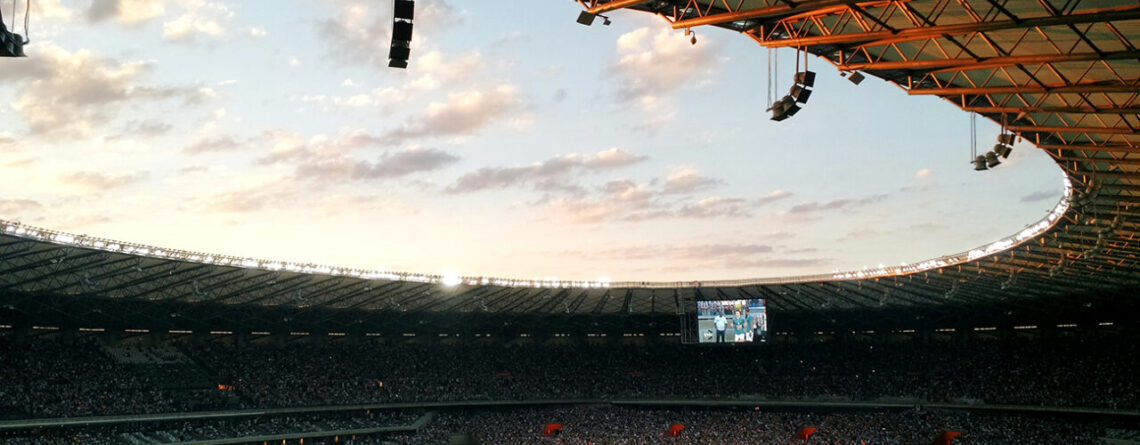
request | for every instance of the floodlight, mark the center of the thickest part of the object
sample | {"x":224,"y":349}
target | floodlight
{"x":805,"y":78}
{"x":605,"y":20}
{"x":1003,"y":150}
{"x":856,"y":78}
{"x":586,"y":18}
{"x":450,"y":279}
{"x":398,"y":63}
{"x":992,"y":160}
{"x":1006,"y":139}
{"x":784,"y":108}
{"x":980,"y":163}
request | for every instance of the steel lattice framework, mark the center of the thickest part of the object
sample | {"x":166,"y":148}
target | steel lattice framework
{"x":1064,"y":76}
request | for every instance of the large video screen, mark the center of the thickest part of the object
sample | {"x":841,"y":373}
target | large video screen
{"x":732,"y":321}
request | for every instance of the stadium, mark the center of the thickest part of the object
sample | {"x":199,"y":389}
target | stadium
{"x":1027,"y":338}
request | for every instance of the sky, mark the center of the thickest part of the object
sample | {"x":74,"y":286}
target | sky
{"x":517,"y":144}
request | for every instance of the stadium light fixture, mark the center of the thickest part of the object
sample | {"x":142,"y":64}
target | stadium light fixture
{"x":799,"y":94}
{"x":856,"y":77}
{"x":980,"y":163}
{"x":587,"y":19}
{"x":450,"y":279}
{"x":992,"y":160}
{"x":1003,"y":150}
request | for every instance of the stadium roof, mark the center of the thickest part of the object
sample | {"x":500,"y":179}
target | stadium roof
{"x":1063,"y":77}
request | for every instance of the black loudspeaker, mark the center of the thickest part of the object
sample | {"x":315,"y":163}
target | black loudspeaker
{"x":805,"y":78}
{"x":11,"y":44}
{"x":586,"y":18}
{"x":399,"y":52}
{"x":401,"y":31}
{"x":404,"y":9}
{"x":800,"y":94}
{"x":402,"y":12}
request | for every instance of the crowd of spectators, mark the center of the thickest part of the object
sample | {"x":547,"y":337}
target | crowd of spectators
{"x":50,"y":377}
{"x":1054,"y":373}
{"x":604,"y":424}
{"x":190,"y":431}
{"x":625,"y":425}
{"x":47,"y":377}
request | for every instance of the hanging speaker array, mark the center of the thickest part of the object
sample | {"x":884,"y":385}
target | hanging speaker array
{"x":403,"y":13}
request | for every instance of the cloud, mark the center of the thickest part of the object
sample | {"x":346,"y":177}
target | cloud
{"x":686,"y":180}
{"x":147,"y":128}
{"x":544,"y":175}
{"x":775,"y":195}
{"x":431,"y":71}
{"x":716,"y":208}
{"x":922,"y":173}
{"x":927,"y":227}
{"x":836,"y":204}
{"x":67,"y":94}
{"x":127,"y":12}
{"x":200,"y":20}
{"x":10,"y":208}
{"x":249,"y":198}
{"x":98,"y":182}
{"x":651,"y":64}
{"x":352,"y":34}
{"x":1040,"y":196}
{"x":729,"y":256}
{"x":784,"y":262}
{"x":213,"y":145}
{"x":391,"y":165}
{"x":462,"y":114}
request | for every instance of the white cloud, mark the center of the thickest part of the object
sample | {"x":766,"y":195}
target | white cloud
{"x":65,"y":93}
{"x":463,"y":114}
{"x":200,"y":19}
{"x":685,"y":180}
{"x":653,"y":64}
{"x":551,"y":174}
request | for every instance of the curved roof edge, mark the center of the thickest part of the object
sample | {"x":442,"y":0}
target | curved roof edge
{"x":1031,"y":231}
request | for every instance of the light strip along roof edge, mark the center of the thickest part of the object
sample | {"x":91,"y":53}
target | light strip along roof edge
{"x":67,"y":239}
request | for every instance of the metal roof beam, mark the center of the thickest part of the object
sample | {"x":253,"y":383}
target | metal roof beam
{"x":780,"y":10}
{"x":1058,"y":129}
{"x":1105,"y":148}
{"x":614,"y":5}
{"x":912,"y":34}
{"x":966,"y":64}
{"x":1073,"y":109}
{"x":1130,"y":87}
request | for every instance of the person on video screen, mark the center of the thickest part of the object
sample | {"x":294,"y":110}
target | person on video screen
{"x":749,"y":325}
{"x":737,"y":326}
{"x":720,"y":321}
